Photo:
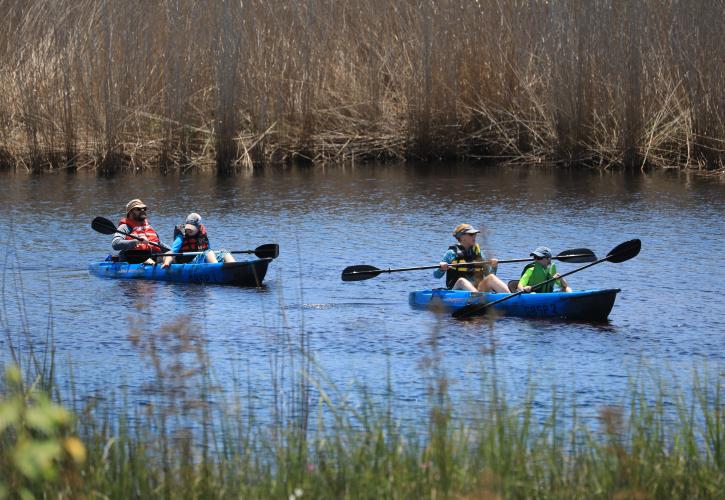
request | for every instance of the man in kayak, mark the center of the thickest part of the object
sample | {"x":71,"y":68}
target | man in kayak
{"x":192,"y":237}
{"x":137,"y":224}
{"x":539,"y":271}
{"x":474,"y":279}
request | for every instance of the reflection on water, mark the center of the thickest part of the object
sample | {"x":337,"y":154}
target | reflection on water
{"x":669,"y":313}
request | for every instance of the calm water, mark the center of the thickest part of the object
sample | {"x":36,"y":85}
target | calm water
{"x":670,"y":314}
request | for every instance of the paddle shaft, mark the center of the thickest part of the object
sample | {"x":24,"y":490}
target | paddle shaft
{"x":457,"y":264}
{"x":105,"y":226}
{"x":488,"y":304}
{"x":181,"y":254}
{"x":622,"y":252}
{"x":162,"y":247}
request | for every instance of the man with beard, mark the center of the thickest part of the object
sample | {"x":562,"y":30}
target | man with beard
{"x":137,"y":224}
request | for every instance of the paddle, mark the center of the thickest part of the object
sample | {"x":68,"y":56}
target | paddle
{"x":105,"y":226}
{"x":270,"y":250}
{"x":365,"y":272}
{"x":620,"y":253}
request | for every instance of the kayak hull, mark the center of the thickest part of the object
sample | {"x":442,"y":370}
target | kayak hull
{"x":584,"y":305}
{"x":245,"y":273}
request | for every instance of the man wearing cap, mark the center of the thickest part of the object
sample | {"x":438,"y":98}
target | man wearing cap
{"x":539,"y":271}
{"x":481,"y":278}
{"x":137,"y":224}
{"x":192,"y":237}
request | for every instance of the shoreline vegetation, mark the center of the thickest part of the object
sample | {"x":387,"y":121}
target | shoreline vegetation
{"x":193,"y":439}
{"x":189,"y":442}
{"x":227,"y":85}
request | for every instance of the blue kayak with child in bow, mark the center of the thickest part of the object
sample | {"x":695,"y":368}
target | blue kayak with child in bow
{"x":583,"y":305}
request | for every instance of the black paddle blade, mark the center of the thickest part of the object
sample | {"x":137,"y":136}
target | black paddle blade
{"x":137,"y":256}
{"x":624,"y":251}
{"x":103,"y":225}
{"x":577,"y":256}
{"x":360,"y":273}
{"x":470,"y":310}
{"x":270,"y":250}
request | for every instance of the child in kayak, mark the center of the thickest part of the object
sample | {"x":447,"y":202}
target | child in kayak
{"x":474,"y":279}
{"x":192,"y":237}
{"x":539,"y":271}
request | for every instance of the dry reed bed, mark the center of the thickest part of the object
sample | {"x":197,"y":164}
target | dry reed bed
{"x":223,"y":84}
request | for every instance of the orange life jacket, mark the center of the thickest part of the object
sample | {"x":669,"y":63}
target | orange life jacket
{"x":142,"y":229}
{"x":197,"y":243}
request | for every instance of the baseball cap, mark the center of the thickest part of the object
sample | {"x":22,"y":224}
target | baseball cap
{"x":462,"y":229}
{"x":193,"y":220}
{"x":541,"y":252}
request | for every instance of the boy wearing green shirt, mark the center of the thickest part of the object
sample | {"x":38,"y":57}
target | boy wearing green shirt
{"x":539,"y":271}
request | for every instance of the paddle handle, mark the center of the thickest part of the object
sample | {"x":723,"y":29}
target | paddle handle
{"x":162,"y":247}
{"x":181,"y":254}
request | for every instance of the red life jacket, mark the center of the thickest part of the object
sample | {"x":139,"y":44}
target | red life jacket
{"x":142,"y":229}
{"x":197,"y":243}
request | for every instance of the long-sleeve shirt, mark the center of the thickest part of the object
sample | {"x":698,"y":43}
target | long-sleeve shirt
{"x":120,"y":243}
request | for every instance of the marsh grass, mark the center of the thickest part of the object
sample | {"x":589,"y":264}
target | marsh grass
{"x":639,"y":451}
{"x":104,"y":84}
{"x":193,"y":440}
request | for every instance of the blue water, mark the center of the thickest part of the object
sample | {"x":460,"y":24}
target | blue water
{"x":669,"y":317}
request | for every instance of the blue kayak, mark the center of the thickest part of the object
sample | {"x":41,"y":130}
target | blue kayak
{"x":245,"y":273}
{"x":584,"y":305}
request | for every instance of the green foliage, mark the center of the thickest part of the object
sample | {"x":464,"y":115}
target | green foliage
{"x":656,"y":444}
{"x":35,"y":448}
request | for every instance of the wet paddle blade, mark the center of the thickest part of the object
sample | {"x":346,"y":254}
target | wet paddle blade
{"x":577,"y":256}
{"x":270,"y":250}
{"x":137,"y":256}
{"x":360,"y":273}
{"x":470,"y":310}
{"x":103,"y":225}
{"x":624,"y":251}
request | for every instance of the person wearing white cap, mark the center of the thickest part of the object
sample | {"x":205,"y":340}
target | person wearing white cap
{"x":136,"y":223}
{"x":539,"y":271}
{"x":192,"y":237}
{"x":474,"y":279}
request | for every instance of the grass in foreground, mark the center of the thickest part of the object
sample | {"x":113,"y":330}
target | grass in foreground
{"x":641,"y":451}
{"x":189,"y":443}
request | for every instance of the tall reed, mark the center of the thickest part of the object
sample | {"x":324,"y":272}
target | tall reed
{"x":228,"y":85}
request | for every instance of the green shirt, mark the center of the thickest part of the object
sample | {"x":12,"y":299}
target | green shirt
{"x":536,"y":273}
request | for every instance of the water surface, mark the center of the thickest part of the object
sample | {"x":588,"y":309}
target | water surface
{"x":668,"y":316}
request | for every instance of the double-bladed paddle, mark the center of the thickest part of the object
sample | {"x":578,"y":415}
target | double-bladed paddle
{"x":270,"y":250}
{"x":365,"y":272}
{"x":105,"y":226}
{"x":620,"y":253}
